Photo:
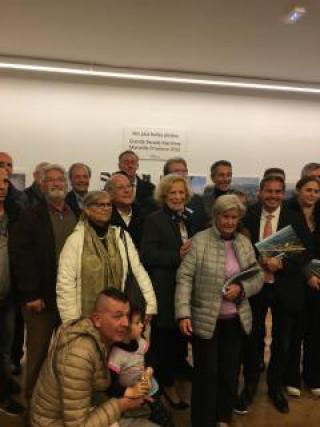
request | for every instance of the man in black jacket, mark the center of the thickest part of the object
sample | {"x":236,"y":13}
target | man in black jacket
{"x":36,"y":242}
{"x":283,"y":293}
{"x":125,"y":212}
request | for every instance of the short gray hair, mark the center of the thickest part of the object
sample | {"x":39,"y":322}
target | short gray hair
{"x":51,"y":166}
{"x":93,"y":197}
{"x":227,"y":202}
{"x":165,"y":185}
{"x":40,"y":166}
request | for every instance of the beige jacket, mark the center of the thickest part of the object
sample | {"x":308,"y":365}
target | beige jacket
{"x":201,"y":277}
{"x":69,"y":274}
{"x":73,"y":374}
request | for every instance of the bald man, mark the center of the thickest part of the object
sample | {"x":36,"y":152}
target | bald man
{"x":18,"y":196}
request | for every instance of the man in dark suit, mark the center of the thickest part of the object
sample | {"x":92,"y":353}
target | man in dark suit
{"x":143,"y":190}
{"x":283,"y":293}
{"x":125,"y":212}
{"x":34,"y":248}
{"x":79,"y":177}
{"x":198,"y":217}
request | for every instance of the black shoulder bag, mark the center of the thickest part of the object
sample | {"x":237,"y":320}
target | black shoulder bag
{"x":132,"y":288}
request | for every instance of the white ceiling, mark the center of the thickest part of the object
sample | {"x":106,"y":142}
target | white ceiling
{"x":245,"y":38}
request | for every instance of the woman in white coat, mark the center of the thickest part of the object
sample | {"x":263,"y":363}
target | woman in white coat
{"x":94,"y":257}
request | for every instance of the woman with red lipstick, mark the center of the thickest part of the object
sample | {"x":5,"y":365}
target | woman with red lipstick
{"x":166,"y":240}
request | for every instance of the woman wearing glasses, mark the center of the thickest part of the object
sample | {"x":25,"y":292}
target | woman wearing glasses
{"x":94,"y":257}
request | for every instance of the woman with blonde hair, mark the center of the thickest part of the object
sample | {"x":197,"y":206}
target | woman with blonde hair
{"x":166,"y":240}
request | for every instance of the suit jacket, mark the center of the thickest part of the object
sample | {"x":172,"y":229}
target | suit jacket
{"x":33,"y":194}
{"x":144,"y":195}
{"x":71,"y":200}
{"x":33,"y":256}
{"x":18,"y":196}
{"x":199,"y":218}
{"x":290,"y":281}
{"x":160,"y":251}
{"x":135,"y":227}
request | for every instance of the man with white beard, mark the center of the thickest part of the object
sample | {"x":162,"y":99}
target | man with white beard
{"x":36,"y":242}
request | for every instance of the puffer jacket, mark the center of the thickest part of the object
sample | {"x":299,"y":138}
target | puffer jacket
{"x":69,"y":274}
{"x":201,"y":277}
{"x":72,"y":374}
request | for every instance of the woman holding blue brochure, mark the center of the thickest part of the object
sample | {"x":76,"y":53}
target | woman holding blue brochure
{"x":213,"y":286}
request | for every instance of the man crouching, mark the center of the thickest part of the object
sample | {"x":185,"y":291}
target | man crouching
{"x":70,"y":390}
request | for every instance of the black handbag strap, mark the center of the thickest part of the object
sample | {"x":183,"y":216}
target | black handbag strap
{"x":123,"y":237}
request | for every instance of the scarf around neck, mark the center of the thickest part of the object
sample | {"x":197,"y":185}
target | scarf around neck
{"x":101,"y":265}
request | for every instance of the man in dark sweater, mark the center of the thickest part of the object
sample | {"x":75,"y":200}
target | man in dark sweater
{"x":33,"y":192}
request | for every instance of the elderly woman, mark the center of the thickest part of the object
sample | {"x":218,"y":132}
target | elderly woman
{"x":94,"y":257}
{"x":215,"y":314}
{"x":166,"y":240}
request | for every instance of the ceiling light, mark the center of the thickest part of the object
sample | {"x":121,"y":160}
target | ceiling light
{"x":42,"y":66}
{"x":295,"y":15}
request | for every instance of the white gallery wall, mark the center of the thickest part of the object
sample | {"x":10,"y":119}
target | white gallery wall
{"x":65,"y":121}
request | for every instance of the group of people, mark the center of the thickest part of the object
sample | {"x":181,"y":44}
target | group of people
{"x":74,"y":258}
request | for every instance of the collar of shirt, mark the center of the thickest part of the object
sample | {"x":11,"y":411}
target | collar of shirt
{"x":275,"y":213}
{"x":274,"y":222}
{"x":125,"y":216}
{"x":59,"y":212}
{"x":79,"y":199}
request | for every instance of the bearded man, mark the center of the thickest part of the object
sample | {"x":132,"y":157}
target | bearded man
{"x":35,"y":246}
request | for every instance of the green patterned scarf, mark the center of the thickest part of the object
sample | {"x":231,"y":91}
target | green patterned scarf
{"x":101,"y":266}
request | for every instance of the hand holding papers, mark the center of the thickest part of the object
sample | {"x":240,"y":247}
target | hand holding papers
{"x":283,"y":243}
{"x":242,"y":275}
{"x":313,"y":269}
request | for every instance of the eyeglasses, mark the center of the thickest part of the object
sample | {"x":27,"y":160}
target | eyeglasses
{"x":102,"y":205}
{"x":124,"y":187}
{"x":58,"y":179}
